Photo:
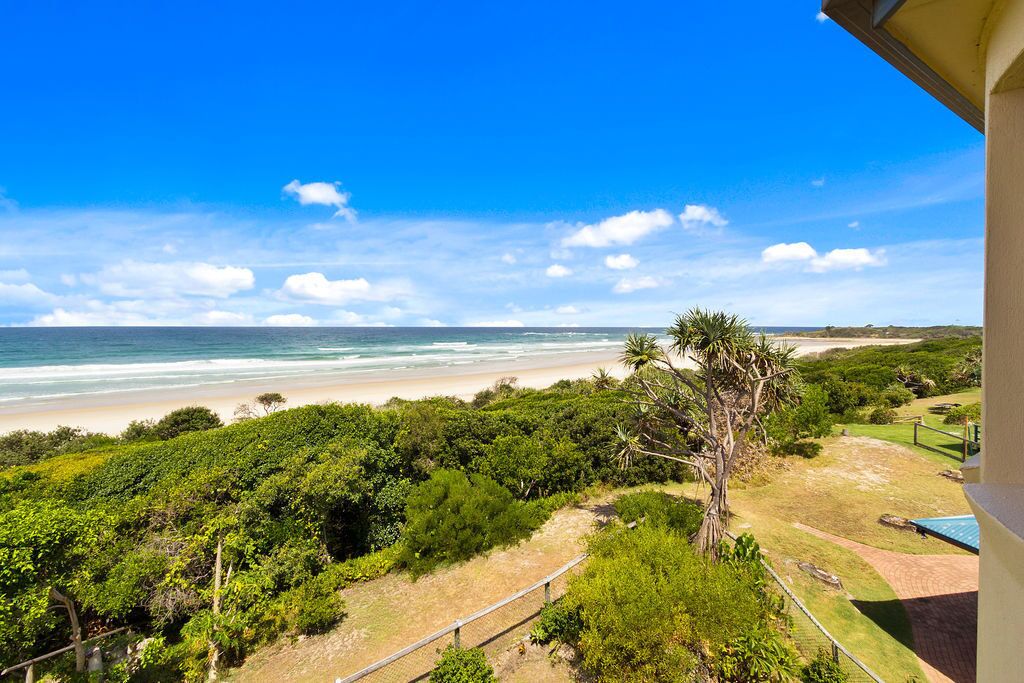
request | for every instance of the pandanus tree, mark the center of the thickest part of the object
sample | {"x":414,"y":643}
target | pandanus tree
{"x":702,"y":417}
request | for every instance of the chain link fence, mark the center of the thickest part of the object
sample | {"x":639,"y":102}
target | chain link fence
{"x":810,"y":636}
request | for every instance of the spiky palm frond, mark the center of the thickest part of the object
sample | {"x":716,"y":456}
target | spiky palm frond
{"x":714,"y":338}
{"x":640,"y":351}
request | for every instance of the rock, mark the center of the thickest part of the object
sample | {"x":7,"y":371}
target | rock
{"x":820,"y":574}
{"x":953,"y":475}
{"x":896,"y":522}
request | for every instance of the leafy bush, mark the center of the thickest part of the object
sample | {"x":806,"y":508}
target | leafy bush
{"x":896,"y":395}
{"x":810,"y":419}
{"x":462,"y":666}
{"x":558,"y":622}
{"x":758,"y":656}
{"x":882,"y":415}
{"x":139,"y":430}
{"x":24,"y":446}
{"x":652,"y":608}
{"x":956,"y":416}
{"x":184,"y":420}
{"x":451,"y":517}
{"x":320,"y":606}
{"x":824,"y":669}
{"x":656,"y":507}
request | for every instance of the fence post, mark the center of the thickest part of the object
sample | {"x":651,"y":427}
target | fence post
{"x":457,"y":639}
{"x":30,"y":673}
{"x":835,"y":652}
{"x":915,"y":432}
{"x":547,"y":593}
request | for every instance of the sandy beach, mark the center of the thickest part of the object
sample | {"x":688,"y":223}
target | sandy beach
{"x":110,"y":413}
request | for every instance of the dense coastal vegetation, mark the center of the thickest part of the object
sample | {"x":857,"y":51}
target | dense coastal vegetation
{"x":891,"y":332}
{"x":284,"y":510}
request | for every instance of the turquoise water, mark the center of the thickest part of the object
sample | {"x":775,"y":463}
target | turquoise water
{"x":46,"y":364}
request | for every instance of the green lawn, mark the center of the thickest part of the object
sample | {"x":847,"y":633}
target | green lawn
{"x":943,"y":450}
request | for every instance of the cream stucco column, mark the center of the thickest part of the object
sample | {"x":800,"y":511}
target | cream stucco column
{"x":998,"y":500}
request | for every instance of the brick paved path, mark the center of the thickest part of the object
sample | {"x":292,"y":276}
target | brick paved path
{"x":940,"y":594}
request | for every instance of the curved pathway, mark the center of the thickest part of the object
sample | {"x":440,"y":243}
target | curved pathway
{"x":940,"y":594}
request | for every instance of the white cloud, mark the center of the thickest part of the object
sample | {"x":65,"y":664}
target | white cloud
{"x":837,"y":259}
{"x":796,"y":251}
{"x":701,"y":219}
{"x":624,"y":229}
{"x":26,"y":293}
{"x":818,"y":182}
{"x":568,"y":325}
{"x":821,"y":17}
{"x":141,"y":279}
{"x":19,"y":275}
{"x":497,"y":323}
{"x":430,"y":322}
{"x":848,"y":259}
{"x":621,"y":262}
{"x":557,"y":270}
{"x":68,"y":279}
{"x":223,"y":318}
{"x":509,"y":258}
{"x":316,"y":288}
{"x":322,"y":194}
{"x":567,"y":310}
{"x":289,"y":320}
{"x":627,"y":285}
{"x":853,"y":224}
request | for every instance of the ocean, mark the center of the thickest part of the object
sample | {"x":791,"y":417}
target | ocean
{"x":40,"y":365}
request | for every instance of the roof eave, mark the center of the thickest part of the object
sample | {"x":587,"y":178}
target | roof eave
{"x":859,"y":18}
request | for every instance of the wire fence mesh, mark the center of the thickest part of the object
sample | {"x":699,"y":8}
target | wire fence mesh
{"x":810,"y":637}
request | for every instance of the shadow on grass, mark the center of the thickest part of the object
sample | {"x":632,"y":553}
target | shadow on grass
{"x":948,"y":623}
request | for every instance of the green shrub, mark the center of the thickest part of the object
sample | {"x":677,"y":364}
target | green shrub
{"x":758,"y":656}
{"x":956,"y":416}
{"x":656,"y":507}
{"x":651,"y":607}
{"x":450,"y":518}
{"x":824,"y":669}
{"x":24,"y":446}
{"x":882,"y":415}
{"x":462,"y":666}
{"x":139,"y":430}
{"x":320,"y":606}
{"x":558,"y":622}
{"x":184,"y":420}
{"x":896,"y":395}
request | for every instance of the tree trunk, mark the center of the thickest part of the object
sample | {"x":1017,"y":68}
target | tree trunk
{"x":214,"y":650}
{"x":716,"y":517}
{"x":76,"y":629}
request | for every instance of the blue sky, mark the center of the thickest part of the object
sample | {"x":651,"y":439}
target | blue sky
{"x":403,"y":163}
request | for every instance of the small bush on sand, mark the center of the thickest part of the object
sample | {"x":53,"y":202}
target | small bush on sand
{"x":462,"y":666}
{"x":184,"y":420}
{"x":558,"y":622}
